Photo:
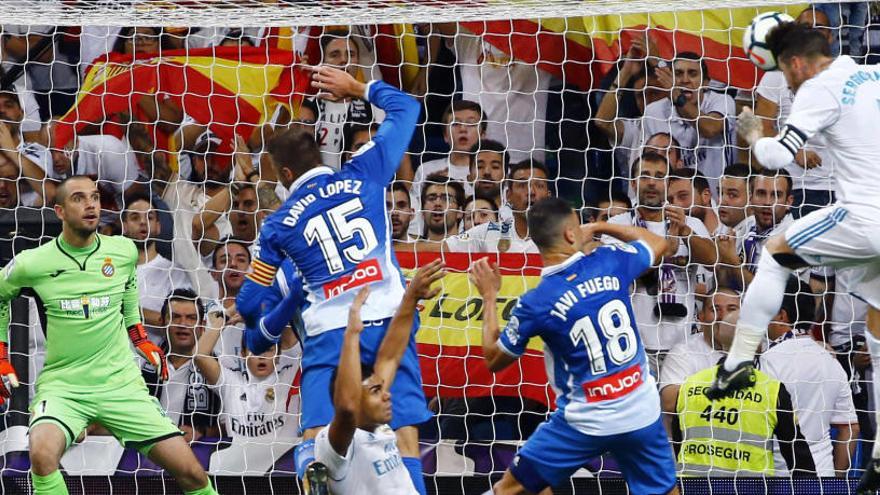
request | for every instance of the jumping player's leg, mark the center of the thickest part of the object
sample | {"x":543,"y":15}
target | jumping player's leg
{"x":47,"y":443}
{"x":508,"y":485}
{"x":175,"y":456}
{"x":762,"y":299}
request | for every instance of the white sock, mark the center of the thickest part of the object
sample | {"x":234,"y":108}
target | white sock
{"x":874,"y":350}
{"x":761,"y":303}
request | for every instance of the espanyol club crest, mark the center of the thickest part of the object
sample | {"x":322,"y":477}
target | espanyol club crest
{"x":107,"y":269}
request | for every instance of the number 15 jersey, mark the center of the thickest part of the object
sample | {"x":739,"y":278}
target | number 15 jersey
{"x":335,"y":228}
{"x":594,"y":357}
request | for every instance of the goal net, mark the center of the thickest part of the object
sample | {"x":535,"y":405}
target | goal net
{"x":627,"y":110}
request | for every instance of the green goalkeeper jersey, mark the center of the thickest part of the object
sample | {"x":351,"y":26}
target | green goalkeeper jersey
{"x":90,"y":298}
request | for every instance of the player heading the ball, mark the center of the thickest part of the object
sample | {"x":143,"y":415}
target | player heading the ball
{"x":605,"y":396}
{"x":837,"y":98}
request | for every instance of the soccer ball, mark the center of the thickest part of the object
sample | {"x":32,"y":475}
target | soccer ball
{"x":756,"y":34}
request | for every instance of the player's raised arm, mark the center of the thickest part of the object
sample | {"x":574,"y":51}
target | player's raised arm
{"x":488,"y":281}
{"x":399,"y":330}
{"x":269,"y":327}
{"x":204,"y":360}
{"x":257,"y":286}
{"x":380,"y":158}
{"x":347,"y":389}
{"x":628,"y":233}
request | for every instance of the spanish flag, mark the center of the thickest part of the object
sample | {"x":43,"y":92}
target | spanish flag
{"x":230,"y":89}
{"x":580,"y":50}
{"x":449,"y":339}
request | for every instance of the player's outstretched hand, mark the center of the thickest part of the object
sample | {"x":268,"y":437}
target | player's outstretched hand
{"x":486,"y":277}
{"x":152,"y":353}
{"x":334,"y":84}
{"x":8,"y":378}
{"x":749,"y":126}
{"x":420,"y":285}
{"x":355,"y":323}
{"x":808,"y":159}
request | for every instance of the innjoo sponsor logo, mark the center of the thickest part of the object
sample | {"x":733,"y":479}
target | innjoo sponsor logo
{"x":366,"y":272}
{"x":613,"y":386}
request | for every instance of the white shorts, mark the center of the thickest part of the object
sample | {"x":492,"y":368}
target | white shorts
{"x":834,"y":236}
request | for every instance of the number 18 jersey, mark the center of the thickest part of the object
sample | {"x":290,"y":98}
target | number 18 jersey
{"x":594,"y":357}
{"x":335,"y":228}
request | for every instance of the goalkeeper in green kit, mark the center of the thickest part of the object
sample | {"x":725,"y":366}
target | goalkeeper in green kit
{"x":87,"y":284}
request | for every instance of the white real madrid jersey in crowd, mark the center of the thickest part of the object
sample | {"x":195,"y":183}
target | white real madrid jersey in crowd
{"x":675,"y":286}
{"x":263,"y":410}
{"x":819,"y":388}
{"x":372,"y":465}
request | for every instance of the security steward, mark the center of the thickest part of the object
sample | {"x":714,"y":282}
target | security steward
{"x":734,"y":435}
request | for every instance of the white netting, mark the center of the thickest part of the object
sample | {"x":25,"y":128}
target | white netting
{"x":260,"y":13}
{"x":147,"y":98}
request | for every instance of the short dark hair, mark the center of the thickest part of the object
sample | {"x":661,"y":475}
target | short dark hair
{"x":225,"y":245}
{"x":187,"y":295}
{"x":592,"y":209}
{"x":366,"y":372}
{"x":295,"y":149}
{"x":773,"y":174}
{"x":401,"y":187}
{"x":311,"y":105}
{"x":544,"y":219}
{"x":12,"y":94}
{"x":484,"y":197}
{"x":694,"y":57}
{"x":799,"y":304}
{"x":492,"y":146}
{"x":350,"y":130}
{"x":131,"y":197}
{"x":332,"y":35}
{"x":648,"y":156}
{"x":61,"y":189}
{"x":459,"y":105}
{"x":698,"y":180}
{"x":441,"y":180}
{"x":739,"y":170}
{"x":790,"y":39}
{"x":528,"y":164}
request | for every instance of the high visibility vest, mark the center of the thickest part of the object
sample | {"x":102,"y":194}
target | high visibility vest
{"x":728,"y":436}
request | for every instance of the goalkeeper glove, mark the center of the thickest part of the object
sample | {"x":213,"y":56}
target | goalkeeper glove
{"x":148,"y":350}
{"x":8,"y":378}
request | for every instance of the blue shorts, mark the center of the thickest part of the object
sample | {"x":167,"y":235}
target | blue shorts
{"x":321,"y":358}
{"x":556,"y":450}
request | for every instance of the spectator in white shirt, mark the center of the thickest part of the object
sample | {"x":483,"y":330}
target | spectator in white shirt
{"x":401,"y":213}
{"x":32,"y":159}
{"x":818,"y":385}
{"x":688,"y":189}
{"x":701,"y":120}
{"x":664,"y":299}
{"x":488,"y":165}
{"x":443,"y":201}
{"x":243,"y":217}
{"x":231,"y":261}
{"x":525,"y":185}
{"x":157,"y":276}
{"x":479,"y":210}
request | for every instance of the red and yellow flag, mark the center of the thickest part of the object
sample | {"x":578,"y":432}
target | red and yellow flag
{"x":580,"y":50}
{"x":450,"y":337}
{"x":229,"y":89}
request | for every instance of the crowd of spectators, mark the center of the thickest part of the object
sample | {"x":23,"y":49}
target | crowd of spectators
{"x":664,"y":156}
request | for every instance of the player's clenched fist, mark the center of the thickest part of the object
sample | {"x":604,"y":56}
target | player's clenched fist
{"x":8,"y":378}
{"x":148,"y":350}
{"x":486,"y":277}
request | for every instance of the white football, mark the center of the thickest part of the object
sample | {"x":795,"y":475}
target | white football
{"x":756,"y":34}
